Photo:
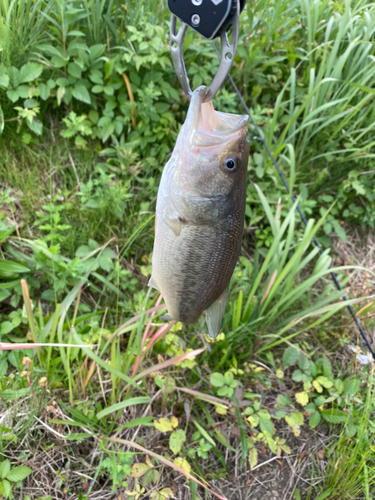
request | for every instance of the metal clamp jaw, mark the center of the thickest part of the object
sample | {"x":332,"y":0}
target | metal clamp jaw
{"x":228,"y":51}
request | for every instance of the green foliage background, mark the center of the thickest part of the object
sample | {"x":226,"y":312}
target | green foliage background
{"x":90,"y":108}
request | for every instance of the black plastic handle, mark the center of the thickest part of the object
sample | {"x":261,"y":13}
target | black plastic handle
{"x":208,"y":17}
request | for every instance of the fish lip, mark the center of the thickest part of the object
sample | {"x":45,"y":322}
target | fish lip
{"x":230,"y":126}
{"x":192,"y":117}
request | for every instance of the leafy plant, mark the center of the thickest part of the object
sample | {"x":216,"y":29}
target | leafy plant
{"x":118,"y":467}
{"x":225,"y":384}
{"x":350,"y":465}
{"x":11,"y":477}
{"x":324,"y":396}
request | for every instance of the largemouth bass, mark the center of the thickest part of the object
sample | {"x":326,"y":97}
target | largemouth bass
{"x":200,"y":214}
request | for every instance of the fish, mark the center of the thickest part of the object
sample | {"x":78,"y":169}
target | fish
{"x":200,"y":212}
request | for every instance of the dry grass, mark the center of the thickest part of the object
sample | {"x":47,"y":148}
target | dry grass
{"x":63,"y":469}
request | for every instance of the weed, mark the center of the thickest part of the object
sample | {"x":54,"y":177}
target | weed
{"x":11,"y":477}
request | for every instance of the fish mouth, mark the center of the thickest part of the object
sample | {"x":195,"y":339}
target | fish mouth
{"x":207,"y":127}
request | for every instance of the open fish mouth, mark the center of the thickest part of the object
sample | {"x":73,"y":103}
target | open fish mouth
{"x":207,"y":127}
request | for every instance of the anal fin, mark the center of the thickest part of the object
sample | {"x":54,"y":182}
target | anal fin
{"x":166,"y":317}
{"x":215,"y":313}
{"x":152,"y":284}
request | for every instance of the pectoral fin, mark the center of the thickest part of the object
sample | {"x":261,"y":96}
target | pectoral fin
{"x":215,"y":313}
{"x":175,"y":224}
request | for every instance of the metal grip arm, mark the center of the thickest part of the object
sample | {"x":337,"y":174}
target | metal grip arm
{"x":228,"y":52}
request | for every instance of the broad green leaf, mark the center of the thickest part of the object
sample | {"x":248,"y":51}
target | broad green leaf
{"x":96,"y":76}
{"x":4,"y":78}
{"x":290,"y":356}
{"x":96,"y":89}
{"x":327,"y":368}
{"x":314,"y":419}
{"x":303,"y":362}
{"x":5,"y":488}
{"x":122,"y":405}
{"x":35,"y":126}
{"x":283,"y":400}
{"x":81,"y":93}
{"x":176,"y":440}
{"x":44,"y":91}
{"x":6,"y":327}
{"x":225,"y":391}
{"x":351,"y":386}
{"x":334,"y":416}
{"x":298,"y":376}
{"x":217,"y":379}
{"x":96,"y":51}
{"x":18,"y":473}
{"x":13,"y":95}
{"x":265,"y":422}
{"x":4,"y":468}
{"x":162,"y":107}
{"x":324,"y":382}
{"x":351,"y":430}
{"x":319,"y":401}
{"x":270,"y":441}
{"x":74,"y":70}
{"x":151,"y":476}
{"x":229,"y":377}
{"x":30,"y":72}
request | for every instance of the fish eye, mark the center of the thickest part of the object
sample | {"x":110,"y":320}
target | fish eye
{"x":231,"y":164}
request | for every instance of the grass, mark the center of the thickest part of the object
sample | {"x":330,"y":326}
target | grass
{"x":134,"y":405}
{"x":22,"y":27}
{"x":349,"y":473}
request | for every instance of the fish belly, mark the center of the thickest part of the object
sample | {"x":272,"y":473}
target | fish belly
{"x":193,"y":268}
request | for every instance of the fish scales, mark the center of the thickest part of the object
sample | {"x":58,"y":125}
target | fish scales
{"x":200,"y":211}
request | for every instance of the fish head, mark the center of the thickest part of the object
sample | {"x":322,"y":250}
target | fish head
{"x":213,"y":151}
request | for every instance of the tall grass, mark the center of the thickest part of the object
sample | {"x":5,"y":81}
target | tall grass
{"x":22,"y":27}
{"x":326,"y":54}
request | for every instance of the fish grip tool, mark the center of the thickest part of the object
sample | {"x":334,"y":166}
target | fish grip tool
{"x":211,"y":19}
